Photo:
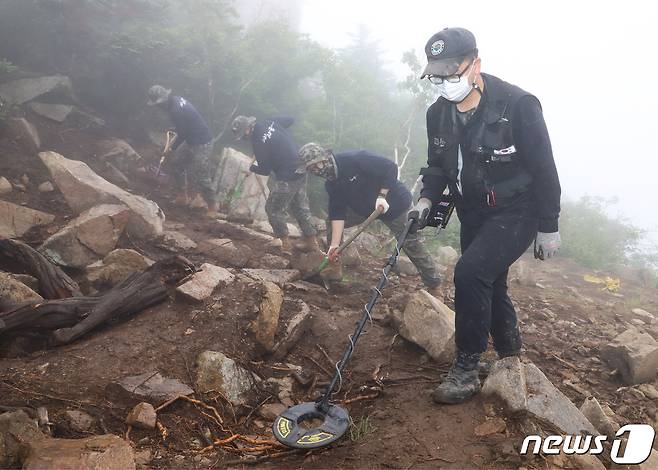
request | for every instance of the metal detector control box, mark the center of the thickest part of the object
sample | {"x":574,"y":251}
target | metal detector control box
{"x":441,"y":211}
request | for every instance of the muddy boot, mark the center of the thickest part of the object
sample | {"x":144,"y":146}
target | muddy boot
{"x":181,"y":200}
{"x":212,"y":210}
{"x":436,"y":292}
{"x":461,"y":383}
{"x":308,"y":245}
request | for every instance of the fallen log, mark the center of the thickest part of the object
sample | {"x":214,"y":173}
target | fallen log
{"x":73,"y":317}
{"x":53,"y":282}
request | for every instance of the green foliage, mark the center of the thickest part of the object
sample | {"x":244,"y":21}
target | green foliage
{"x":593,"y":238}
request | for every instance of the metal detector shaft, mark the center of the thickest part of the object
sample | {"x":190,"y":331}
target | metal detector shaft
{"x":323,"y":402}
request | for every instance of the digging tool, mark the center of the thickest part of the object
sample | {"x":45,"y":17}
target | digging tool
{"x":293,"y":427}
{"x":171,"y":138}
{"x":325,"y":262}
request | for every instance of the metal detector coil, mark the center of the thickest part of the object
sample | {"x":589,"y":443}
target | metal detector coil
{"x":289,"y":430}
{"x":288,"y":426}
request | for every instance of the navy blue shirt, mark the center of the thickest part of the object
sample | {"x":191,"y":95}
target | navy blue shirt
{"x":361,"y":175}
{"x":274,"y":149}
{"x":189,"y":124}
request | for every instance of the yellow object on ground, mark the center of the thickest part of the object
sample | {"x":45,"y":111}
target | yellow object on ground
{"x":610,"y":284}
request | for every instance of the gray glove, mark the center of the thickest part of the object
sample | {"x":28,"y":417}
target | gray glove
{"x":547,"y":244}
{"x":419,"y":213}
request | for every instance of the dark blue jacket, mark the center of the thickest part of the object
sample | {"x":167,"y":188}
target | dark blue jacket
{"x":361,"y":174}
{"x":189,"y":124}
{"x":274,"y":149}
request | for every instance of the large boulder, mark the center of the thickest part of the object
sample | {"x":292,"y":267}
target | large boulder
{"x":265,"y":325}
{"x":204,"y":282}
{"x":602,"y":418}
{"x":16,"y":430}
{"x":244,"y":192}
{"x":106,"y":452}
{"x":15,"y":292}
{"x":177,"y":241}
{"x":26,"y":133}
{"x":21,"y":91}
{"x":119,"y":152}
{"x":83,"y":189}
{"x":216,"y":372}
{"x":89,"y":237}
{"x":16,"y":220}
{"x":226,"y":251}
{"x":428,"y":323}
{"x":54,"y":112}
{"x":523,"y":388}
{"x":634,"y":354}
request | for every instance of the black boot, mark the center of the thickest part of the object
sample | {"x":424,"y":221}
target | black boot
{"x":461,"y":383}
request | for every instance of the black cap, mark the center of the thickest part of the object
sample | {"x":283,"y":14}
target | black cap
{"x":446,"y":50}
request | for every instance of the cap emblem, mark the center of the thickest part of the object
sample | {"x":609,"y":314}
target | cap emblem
{"x":437,"y":47}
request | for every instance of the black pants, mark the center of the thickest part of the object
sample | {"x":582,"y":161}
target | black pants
{"x":490,"y":243}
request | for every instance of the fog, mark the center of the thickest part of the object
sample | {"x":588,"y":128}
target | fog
{"x":590,"y":63}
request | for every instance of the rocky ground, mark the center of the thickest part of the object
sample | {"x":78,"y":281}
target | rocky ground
{"x":245,"y":337}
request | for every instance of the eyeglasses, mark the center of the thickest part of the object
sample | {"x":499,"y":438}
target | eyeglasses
{"x":455,"y":78}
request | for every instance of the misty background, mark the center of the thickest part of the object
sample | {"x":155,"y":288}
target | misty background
{"x":347,"y":71}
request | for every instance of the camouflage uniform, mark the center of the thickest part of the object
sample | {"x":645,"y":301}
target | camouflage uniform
{"x":413,"y":247}
{"x":195,"y":160}
{"x":284,"y":196}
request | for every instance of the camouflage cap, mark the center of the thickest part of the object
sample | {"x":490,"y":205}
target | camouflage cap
{"x":241,"y":125}
{"x":158,"y":94}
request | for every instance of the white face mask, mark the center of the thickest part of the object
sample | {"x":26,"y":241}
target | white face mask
{"x":456,"y":92}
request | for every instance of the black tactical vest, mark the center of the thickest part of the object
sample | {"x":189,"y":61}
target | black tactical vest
{"x":493,"y":172}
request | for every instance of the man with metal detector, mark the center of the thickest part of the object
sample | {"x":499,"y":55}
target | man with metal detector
{"x":192,"y":146}
{"x":276,"y":152}
{"x":489,"y":145}
{"x":359,"y":182}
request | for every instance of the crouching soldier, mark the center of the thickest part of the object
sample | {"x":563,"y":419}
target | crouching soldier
{"x":276,"y":152}
{"x":193,"y":147}
{"x":358,"y":182}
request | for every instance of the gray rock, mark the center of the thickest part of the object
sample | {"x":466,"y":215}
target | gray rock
{"x":54,"y":112}
{"x":266,"y":323}
{"x":226,"y":251}
{"x":30,"y":281}
{"x":177,"y":241}
{"x":634,"y":355}
{"x":596,"y":415}
{"x":83,"y":189}
{"x":297,"y":327}
{"x":239,"y":232}
{"x":506,"y":381}
{"x":270,"y":261}
{"x":106,"y":452}
{"x":203,"y":283}
{"x":150,"y":386}
{"x":116,"y":267}
{"x":89,"y":237}
{"x":26,"y":89}
{"x":277,"y":276}
{"x":26,"y":133}
{"x":366,"y":242}
{"x":143,"y":416}
{"x":448,"y":255}
{"x":217,"y":372}
{"x":548,"y":404}
{"x":5,"y":186}
{"x":79,"y":421}
{"x":428,"y":323}
{"x":119,"y":152}
{"x":264,"y":226}
{"x":46,"y":187}
{"x":16,"y":430}
{"x":15,"y":292}
{"x":245,"y":192}
{"x":644,"y":316}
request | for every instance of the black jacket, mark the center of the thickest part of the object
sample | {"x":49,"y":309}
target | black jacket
{"x":190,"y":126}
{"x":361,"y":174}
{"x":274,"y":149}
{"x":506,"y":154}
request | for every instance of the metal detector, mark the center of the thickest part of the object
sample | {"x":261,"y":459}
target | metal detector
{"x":294,"y":427}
